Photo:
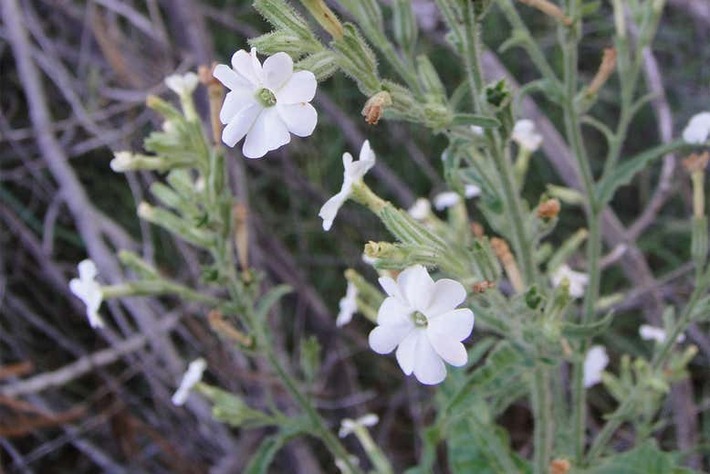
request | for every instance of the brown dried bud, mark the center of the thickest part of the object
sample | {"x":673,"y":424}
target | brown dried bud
{"x":548,"y":209}
{"x":502,"y":251}
{"x":483,"y":286}
{"x":375,"y":106}
{"x":605,"y":71}
{"x":560,"y":466}
{"x":550,"y":9}
{"x":696,"y":163}
{"x":215,"y":93}
{"x":477,"y":230}
{"x":227,"y":330}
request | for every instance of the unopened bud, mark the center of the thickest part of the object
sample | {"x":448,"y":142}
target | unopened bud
{"x":560,"y":466}
{"x":375,"y":106}
{"x":548,"y":209}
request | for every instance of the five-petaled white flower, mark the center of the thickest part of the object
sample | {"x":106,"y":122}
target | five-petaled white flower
{"x":348,"y":306}
{"x":419,"y":318}
{"x":353,"y":173}
{"x":450,"y":198}
{"x":594,"y":364}
{"x":652,"y":333}
{"x":349,"y":425}
{"x":698,"y":129}
{"x":89,"y":291}
{"x":184,"y":84}
{"x":577,"y":280}
{"x":192,"y":376}
{"x":525,"y":135}
{"x":265,"y":103}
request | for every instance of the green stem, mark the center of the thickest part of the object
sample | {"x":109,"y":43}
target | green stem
{"x":542,"y":410}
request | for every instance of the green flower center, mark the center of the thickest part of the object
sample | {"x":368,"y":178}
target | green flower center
{"x":420,"y":320}
{"x":265,"y":97}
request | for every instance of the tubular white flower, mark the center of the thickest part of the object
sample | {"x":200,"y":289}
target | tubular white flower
{"x":577,"y":280}
{"x":192,"y":376}
{"x":651,"y":333}
{"x":348,"y":306}
{"x":89,"y":291}
{"x":526,"y":136}
{"x":420,"y":210}
{"x":182,"y":84}
{"x":353,"y":172}
{"x":348,"y":425}
{"x":698,"y":129}
{"x":450,"y":198}
{"x":594,"y":364}
{"x":420,"y":319}
{"x":265,"y":103}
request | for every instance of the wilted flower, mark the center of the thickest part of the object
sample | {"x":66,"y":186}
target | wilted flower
{"x":525,"y":135}
{"x":348,"y":426}
{"x":594,"y":364}
{"x":353,"y":172}
{"x":698,"y":129}
{"x":89,"y":291}
{"x":192,"y":376}
{"x":420,"y":319}
{"x":265,"y":103}
{"x":651,"y":333}
{"x":577,"y":280}
{"x":184,"y":84}
{"x":348,"y":306}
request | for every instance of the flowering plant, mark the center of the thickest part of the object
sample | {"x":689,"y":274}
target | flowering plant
{"x":498,"y":256}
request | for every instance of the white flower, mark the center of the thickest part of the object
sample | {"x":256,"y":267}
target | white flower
{"x":577,"y":280}
{"x":525,"y":135}
{"x":420,"y":210}
{"x":192,"y":376}
{"x":594,"y":364}
{"x":651,"y":333}
{"x":182,"y":84}
{"x":420,"y":318}
{"x":698,"y":129}
{"x":478,"y":131}
{"x":353,"y":172}
{"x":348,"y":306}
{"x":348,"y":426}
{"x":265,"y":103}
{"x":89,"y":291}
{"x":450,"y":198}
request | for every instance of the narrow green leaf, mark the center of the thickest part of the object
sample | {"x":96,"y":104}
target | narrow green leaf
{"x":477,"y":120}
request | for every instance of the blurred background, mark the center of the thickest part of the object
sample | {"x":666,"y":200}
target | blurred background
{"x":74,"y":76}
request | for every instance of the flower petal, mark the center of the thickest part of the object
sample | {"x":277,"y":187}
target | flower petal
{"x":247,"y":67}
{"x":300,"y":119}
{"x":417,"y":287}
{"x":594,"y":364}
{"x":330,"y":209}
{"x":236,"y":101}
{"x":383,"y":339}
{"x":429,"y":369}
{"x":230,"y":78}
{"x":390,"y":286}
{"x":240,"y":124}
{"x":87,"y":270}
{"x":448,"y":294}
{"x":407,"y":351}
{"x":455,"y":325}
{"x":301,"y":87}
{"x":698,"y":129}
{"x":277,"y":70}
{"x":268,"y":133}
{"x":394,"y":311}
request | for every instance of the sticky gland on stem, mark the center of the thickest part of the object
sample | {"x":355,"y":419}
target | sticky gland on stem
{"x":502,"y":251}
{"x":549,"y":9}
